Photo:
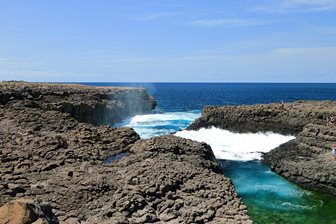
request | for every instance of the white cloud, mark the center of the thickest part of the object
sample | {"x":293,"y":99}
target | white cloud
{"x":310,"y":64}
{"x":228,"y":22}
{"x":299,"y":5}
{"x":312,"y":51}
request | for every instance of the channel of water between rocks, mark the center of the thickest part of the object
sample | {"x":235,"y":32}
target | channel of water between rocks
{"x":270,"y":198}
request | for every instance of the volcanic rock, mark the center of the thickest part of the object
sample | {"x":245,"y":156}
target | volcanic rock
{"x":48,"y":155}
{"x":96,"y":105}
{"x":26,"y":212}
{"x":307,"y":159}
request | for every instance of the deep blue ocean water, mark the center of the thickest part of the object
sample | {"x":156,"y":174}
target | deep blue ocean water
{"x":193,"y":96}
{"x":269,"y":197}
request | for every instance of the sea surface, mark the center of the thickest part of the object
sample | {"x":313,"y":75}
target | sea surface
{"x":269,"y":197}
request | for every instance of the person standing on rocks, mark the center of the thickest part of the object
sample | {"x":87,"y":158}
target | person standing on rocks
{"x":327,"y":121}
{"x":330,"y":122}
{"x":317,"y":133}
{"x":333,"y":151}
{"x":282,"y":104}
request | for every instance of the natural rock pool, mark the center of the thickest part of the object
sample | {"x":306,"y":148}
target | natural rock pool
{"x":269,"y":197}
{"x":272,"y":199}
{"x":116,"y":157}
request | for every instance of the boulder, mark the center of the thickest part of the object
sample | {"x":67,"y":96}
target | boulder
{"x":26,"y":212}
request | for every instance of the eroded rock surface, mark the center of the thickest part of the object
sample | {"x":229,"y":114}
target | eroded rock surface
{"x":307,"y":159}
{"x":51,"y":157}
{"x":266,"y":117}
{"x":96,"y":105}
{"x":170,"y":180}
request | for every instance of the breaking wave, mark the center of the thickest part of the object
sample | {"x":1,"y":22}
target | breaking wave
{"x":151,"y":125}
{"x":233,"y":146}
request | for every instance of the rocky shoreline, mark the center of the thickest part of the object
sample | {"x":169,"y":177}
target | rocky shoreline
{"x":305,"y":160}
{"x":95,"y":105}
{"x":52,"y":158}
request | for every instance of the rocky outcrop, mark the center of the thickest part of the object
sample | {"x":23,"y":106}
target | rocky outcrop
{"x":26,"y":212}
{"x":51,"y":157}
{"x":34,"y":142}
{"x":266,"y":117}
{"x":96,"y":105}
{"x":307,"y":159}
{"x":170,"y":180}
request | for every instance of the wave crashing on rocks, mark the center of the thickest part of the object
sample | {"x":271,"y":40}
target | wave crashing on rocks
{"x":234,"y":146}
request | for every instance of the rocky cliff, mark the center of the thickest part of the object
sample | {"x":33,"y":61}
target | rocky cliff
{"x":53,"y":158}
{"x":307,"y":159}
{"x":96,"y":105}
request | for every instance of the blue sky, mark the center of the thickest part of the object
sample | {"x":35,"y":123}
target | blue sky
{"x":168,"y":40}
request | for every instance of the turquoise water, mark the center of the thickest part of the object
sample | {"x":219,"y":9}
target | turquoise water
{"x":272,"y":199}
{"x":269,"y":197}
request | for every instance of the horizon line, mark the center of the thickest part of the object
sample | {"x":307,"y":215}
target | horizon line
{"x":163,"y":82}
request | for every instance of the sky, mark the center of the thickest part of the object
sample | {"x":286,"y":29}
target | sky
{"x":168,"y":40}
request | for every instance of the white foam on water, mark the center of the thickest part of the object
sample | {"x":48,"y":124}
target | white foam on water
{"x":233,"y":146}
{"x":294,"y":206}
{"x":225,"y":144}
{"x":150,"y":125}
{"x":152,"y":119}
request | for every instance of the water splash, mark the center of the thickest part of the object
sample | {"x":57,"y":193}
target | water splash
{"x":150,"y":125}
{"x":269,"y":197}
{"x":233,"y":146}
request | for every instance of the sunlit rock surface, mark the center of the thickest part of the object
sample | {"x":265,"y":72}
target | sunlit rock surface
{"x":49,"y":156}
{"x":96,"y":105}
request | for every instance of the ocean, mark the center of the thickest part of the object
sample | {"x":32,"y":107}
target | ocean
{"x":269,"y":197}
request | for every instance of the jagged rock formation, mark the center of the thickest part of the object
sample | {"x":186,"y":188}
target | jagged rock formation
{"x":307,"y":159}
{"x":96,"y":105}
{"x":266,"y":117}
{"x":170,"y":180}
{"x":50,"y":156}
